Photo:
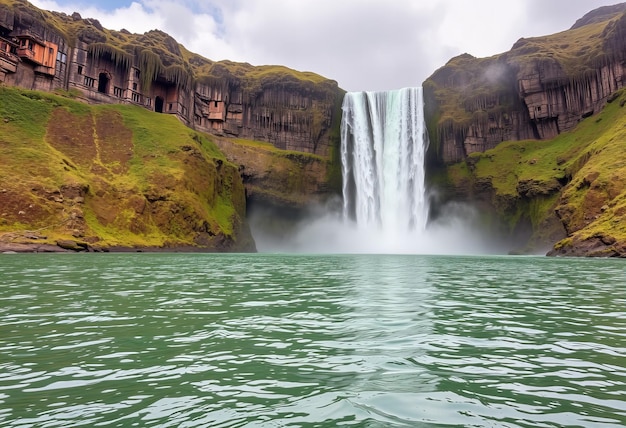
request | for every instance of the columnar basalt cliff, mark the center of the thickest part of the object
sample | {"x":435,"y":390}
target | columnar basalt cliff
{"x":543,"y":89}
{"x":293,"y":111}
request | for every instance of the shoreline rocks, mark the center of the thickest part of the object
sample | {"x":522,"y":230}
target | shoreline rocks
{"x":69,"y":246}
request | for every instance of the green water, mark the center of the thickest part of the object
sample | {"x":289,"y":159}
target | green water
{"x":186,"y":340}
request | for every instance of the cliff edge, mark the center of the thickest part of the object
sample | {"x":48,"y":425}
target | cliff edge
{"x":293,"y":111}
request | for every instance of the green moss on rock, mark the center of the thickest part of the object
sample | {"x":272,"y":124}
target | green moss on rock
{"x":574,"y":184}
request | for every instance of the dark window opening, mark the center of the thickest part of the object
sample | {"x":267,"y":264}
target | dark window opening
{"x":158,"y":105}
{"x":170,"y":106}
{"x":80,"y":69}
{"x":25,"y":43}
{"x":215,"y":103}
{"x":134,"y":86}
{"x":103,"y":83}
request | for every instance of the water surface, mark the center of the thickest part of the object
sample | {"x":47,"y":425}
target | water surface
{"x":187,"y":340}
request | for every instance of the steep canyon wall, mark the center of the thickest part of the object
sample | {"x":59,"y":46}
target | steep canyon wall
{"x":277,"y":128}
{"x":542,"y":87}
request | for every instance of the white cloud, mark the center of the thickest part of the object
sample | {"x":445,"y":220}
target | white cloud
{"x":363,"y":44}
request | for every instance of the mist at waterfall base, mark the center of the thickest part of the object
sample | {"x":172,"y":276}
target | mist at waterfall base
{"x":385,"y":204}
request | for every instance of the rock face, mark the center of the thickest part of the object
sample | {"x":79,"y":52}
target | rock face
{"x":290,"y":180}
{"x":542,"y":87}
{"x":292,"y":113}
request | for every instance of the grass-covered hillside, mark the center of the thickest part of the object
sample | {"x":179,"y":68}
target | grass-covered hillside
{"x":113,"y":176}
{"x":571,"y":189}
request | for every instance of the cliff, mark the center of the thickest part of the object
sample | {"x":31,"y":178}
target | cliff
{"x":51,"y":51}
{"x":117,"y":180}
{"x":542,"y":87}
{"x":530,"y":135}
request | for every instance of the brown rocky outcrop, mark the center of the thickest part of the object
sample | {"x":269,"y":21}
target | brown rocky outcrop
{"x":596,"y":246}
{"x":284,"y":179}
{"x":542,"y":87}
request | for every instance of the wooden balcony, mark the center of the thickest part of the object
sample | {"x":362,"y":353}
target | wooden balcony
{"x":28,"y":54}
{"x":7,"y":64}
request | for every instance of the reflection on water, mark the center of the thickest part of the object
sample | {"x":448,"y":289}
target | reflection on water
{"x":277,"y":340}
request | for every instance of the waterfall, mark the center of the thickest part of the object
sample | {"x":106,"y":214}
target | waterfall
{"x":383,"y":145}
{"x":385,"y":207}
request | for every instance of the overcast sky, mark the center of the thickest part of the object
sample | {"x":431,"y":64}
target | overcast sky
{"x":362,"y":44}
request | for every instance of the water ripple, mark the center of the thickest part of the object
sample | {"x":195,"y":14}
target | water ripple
{"x":271,"y":340}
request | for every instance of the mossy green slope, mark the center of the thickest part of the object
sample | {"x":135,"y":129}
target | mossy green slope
{"x":283,"y":178}
{"x":114,"y":176}
{"x":573,"y":185}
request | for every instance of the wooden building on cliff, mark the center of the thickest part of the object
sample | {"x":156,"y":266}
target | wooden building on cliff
{"x":30,"y":57}
{"x":37,"y":58}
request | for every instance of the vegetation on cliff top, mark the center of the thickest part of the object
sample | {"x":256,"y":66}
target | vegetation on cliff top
{"x":577,"y":180}
{"x":113,"y":175}
{"x":467,"y":89}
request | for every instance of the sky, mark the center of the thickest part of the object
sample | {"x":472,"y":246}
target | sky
{"x":364,"y":45}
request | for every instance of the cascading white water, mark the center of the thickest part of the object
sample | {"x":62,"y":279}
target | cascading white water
{"x":383,"y":144}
